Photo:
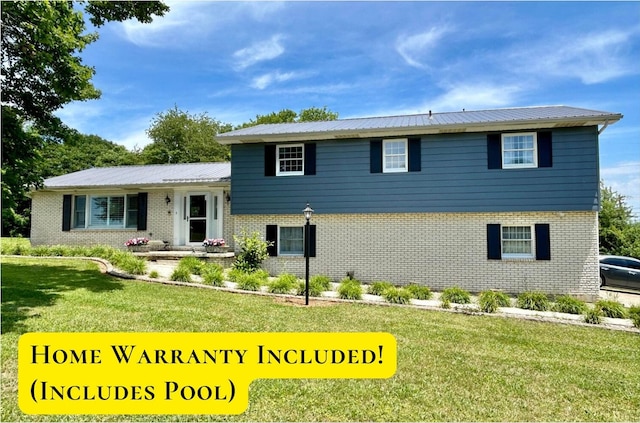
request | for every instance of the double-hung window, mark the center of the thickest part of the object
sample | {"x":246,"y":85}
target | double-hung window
{"x":394,"y":155}
{"x":519,"y":150}
{"x":517,"y":242}
{"x":291,"y":240}
{"x":290,"y":160}
{"x":105,"y":211}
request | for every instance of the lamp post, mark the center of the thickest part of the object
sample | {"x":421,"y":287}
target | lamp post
{"x":308,"y":211}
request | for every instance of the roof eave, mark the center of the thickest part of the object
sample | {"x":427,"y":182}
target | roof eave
{"x":514,"y":125}
{"x":129,"y":187}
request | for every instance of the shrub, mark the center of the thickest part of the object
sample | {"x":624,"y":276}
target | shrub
{"x":611,"y":308}
{"x":396,"y":295}
{"x":316,"y":287}
{"x":593,"y":316}
{"x":456,"y":295}
{"x":568,"y":304}
{"x":378,"y":288}
{"x":634,"y":315}
{"x":321,"y":281}
{"x":533,"y":301}
{"x":350,"y":289}
{"x":419,"y":292}
{"x":250,"y":282}
{"x":181,"y":274}
{"x":193,"y":264}
{"x":154,"y":274}
{"x":489,"y":301}
{"x":445,"y":303}
{"x":284,"y":284}
{"x":253,"y":251}
{"x":212,"y":274}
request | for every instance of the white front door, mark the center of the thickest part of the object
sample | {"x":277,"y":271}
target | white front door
{"x":197,"y":216}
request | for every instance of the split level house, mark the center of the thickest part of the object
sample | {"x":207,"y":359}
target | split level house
{"x":503,"y":199}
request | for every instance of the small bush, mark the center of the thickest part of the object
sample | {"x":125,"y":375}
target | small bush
{"x":568,"y":304}
{"x":419,"y":292}
{"x":489,"y":301}
{"x":194,"y":264}
{"x":634,"y":315}
{"x":211,"y":273}
{"x":396,"y":295}
{"x":456,"y":295}
{"x":321,"y":281}
{"x":316,"y":287}
{"x":181,"y":274}
{"x":538,"y":301}
{"x":445,"y":303}
{"x":39,"y":251}
{"x":154,"y":274}
{"x":250,"y":282}
{"x":284,"y":284}
{"x":350,"y":289}
{"x":378,"y":288}
{"x":253,"y":251}
{"x":611,"y":308}
{"x":593,"y":316}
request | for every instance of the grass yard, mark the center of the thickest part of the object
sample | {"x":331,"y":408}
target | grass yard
{"x":451,"y":367}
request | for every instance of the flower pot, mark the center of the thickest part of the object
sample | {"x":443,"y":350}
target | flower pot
{"x":216,"y":249}
{"x":139,"y":248}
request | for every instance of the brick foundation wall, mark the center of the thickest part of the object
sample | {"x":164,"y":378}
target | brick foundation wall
{"x":441,"y":250}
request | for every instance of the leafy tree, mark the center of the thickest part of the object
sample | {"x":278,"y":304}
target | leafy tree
{"x":179,"y":137}
{"x":41,"y":72}
{"x":312,"y":114}
{"x":80,"y":151}
{"x":619,"y":234}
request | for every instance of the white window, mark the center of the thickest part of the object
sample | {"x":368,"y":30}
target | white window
{"x":291,"y":240}
{"x":290,"y":160}
{"x":519,"y":150}
{"x":394,"y":155}
{"x":104,"y":211}
{"x":517,"y":242}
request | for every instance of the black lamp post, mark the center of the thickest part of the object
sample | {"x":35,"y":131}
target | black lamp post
{"x":308,"y":211}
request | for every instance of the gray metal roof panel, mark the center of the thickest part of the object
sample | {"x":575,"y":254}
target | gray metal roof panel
{"x":165,"y":174}
{"x":478,"y":117}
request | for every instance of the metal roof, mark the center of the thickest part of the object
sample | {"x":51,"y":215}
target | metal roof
{"x":429,"y":123}
{"x":144,"y":175}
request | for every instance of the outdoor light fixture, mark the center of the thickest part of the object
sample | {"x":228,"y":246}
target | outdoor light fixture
{"x":167,"y":199}
{"x":308,"y":211}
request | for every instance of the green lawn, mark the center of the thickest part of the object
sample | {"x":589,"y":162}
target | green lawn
{"x":451,"y":367}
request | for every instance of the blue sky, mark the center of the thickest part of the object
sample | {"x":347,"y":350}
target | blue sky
{"x":235,"y":60}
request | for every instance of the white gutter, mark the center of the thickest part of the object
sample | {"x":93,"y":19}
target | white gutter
{"x":606,"y":123}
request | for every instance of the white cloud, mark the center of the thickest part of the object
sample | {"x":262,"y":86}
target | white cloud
{"x":263,"y":81}
{"x":258,"y":52}
{"x":624,"y":178}
{"x":415,"y":49}
{"x":593,"y":58}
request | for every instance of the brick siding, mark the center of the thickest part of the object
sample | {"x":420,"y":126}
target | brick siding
{"x":441,"y":250}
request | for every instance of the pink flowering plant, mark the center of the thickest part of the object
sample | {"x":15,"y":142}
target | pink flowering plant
{"x":213,"y":242}
{"x":137,"y":241}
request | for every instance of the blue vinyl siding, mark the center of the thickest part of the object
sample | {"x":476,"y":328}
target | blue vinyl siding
{"x":454,"y":177}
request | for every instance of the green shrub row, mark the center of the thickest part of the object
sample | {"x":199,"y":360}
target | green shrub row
{"x":123,"y":260}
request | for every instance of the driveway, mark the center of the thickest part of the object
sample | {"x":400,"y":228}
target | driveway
{"x":627,"y":297}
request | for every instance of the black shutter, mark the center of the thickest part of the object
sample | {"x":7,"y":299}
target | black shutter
{"x":312,"y":241}
{"x":543,"y":242}
{"x":272,"y":238}
{"x":66,"y":212}
{"x":142,"y":211}
{"x":269,"y":160}
{"x":415,"y":159}
{"x":494,"y":243}
{"x":545,"y":154}
{"x":376,"y":156}
{"x":309,"y":159}
{"x":494,"y":151}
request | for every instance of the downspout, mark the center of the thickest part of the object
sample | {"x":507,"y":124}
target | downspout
{"x":606,"y":123}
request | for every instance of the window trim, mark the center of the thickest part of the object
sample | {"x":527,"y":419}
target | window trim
{"x":277,"y":158}
{"x":405,"y":141}
{"x":518,"y":256}
{"x":519,"y":165}
{"x":87,"y":212}
{"x":279,"y":242}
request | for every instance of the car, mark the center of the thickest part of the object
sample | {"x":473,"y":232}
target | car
{"x":620,"y":271}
